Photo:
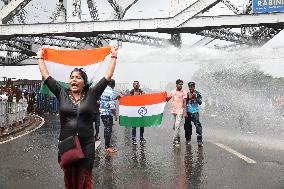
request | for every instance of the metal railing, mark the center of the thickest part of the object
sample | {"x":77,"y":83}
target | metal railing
{"x":12,"y":113}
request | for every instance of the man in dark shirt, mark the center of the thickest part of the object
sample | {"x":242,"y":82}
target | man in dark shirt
{"x":137,"y":91}
{"x":97,"y":120}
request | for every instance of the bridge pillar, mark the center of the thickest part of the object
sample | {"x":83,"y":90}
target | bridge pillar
{"x":61,"y":13}
{"x":175,"y":39}
{"x":73,"y":10}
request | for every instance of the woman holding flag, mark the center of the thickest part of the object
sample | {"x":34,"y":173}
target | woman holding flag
{"x":76,"y":103}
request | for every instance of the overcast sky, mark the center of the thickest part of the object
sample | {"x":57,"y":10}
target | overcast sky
{"x":155,"y":66}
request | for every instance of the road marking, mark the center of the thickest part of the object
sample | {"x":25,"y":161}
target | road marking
{"x":97,"y":144}
{"x":27,"y":132}
{"x":238,"y":154}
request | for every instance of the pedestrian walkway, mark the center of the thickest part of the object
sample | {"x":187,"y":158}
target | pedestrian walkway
{"x":16,"y":130}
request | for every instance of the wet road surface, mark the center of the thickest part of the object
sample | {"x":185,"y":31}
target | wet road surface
{"x":31,"y":161}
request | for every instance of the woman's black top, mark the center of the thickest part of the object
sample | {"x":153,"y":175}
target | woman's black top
{"x":68,"y":110}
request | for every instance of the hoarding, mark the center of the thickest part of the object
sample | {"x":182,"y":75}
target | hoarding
{"x":266,"y":6}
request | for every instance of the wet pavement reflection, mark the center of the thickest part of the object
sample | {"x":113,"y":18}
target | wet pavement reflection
{"x":31,"y":162}
{"x":156,"y":164}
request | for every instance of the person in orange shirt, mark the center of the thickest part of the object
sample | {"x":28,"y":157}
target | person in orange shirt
{"x":178,"y":105}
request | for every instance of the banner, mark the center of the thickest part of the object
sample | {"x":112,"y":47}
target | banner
{"x":267,"y":6}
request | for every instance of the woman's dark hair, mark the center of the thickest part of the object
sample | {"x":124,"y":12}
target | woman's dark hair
{"x":83,"y":75}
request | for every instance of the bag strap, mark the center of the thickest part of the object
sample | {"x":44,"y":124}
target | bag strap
{"x":78,"y":107}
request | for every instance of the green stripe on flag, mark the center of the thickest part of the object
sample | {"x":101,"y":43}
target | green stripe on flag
{"x":45,"y":90}
{"x":145,"y":121}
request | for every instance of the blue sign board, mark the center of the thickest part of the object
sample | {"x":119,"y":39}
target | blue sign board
{"x":265,"y":6}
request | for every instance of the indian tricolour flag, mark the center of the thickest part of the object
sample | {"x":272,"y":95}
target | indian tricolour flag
{"x":142,"y":110}
{"x":60,"y":63}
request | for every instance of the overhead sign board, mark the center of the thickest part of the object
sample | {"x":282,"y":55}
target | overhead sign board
{"x":266,"y":6}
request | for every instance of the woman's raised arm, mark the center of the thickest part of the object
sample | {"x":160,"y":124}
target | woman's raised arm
{"x":112,"y":64}
{"x":41,"y":64}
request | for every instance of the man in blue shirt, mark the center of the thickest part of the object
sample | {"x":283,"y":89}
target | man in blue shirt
{"x":193,"y":100}
{"x":107,"y":112}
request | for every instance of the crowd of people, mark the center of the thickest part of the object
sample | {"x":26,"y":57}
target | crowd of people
{"x":81,"y":107}
{"x":185,"y":105}
{"x":12,"y":94}
{"x":14,"y":108}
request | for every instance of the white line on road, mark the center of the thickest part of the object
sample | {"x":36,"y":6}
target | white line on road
{"x":97,"y":143}
{"x":238,"y":154}
{"x":27,"y":132}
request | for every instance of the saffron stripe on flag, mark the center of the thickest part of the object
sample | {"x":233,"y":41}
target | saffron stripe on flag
{"x":73,"y":57}
{"x":145,"y":121}
{"x":142,"y":100}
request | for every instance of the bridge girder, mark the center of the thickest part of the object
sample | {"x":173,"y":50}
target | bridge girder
{"x":196,"y":24}
{"x":137,"y":38}
{"x":231,"y":6}
{"x":23,"y":44}
{"x":58,"y":10}
{"x":227,"y":35}
{"x":11,"y":9}
{"x":116,"y":26}
{"x":12,"y":61}
{"x":92,"y":34}
{"x":93,"y":10}
{"x":7,"y":48}
{"x":54,"y":41}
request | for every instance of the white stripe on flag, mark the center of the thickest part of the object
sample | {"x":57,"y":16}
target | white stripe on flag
{"x":139,"y":111}
{"x":61,"y":72}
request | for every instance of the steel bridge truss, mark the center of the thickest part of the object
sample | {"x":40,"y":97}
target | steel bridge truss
{"x":23,"y":45}
{"x":137,"y":38}
{"x":224,"y":34}
{"x":20,"y":48}
{"x":251,"y":36}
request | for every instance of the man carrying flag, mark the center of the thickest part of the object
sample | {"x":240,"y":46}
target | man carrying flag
{"x":137,"y":91}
